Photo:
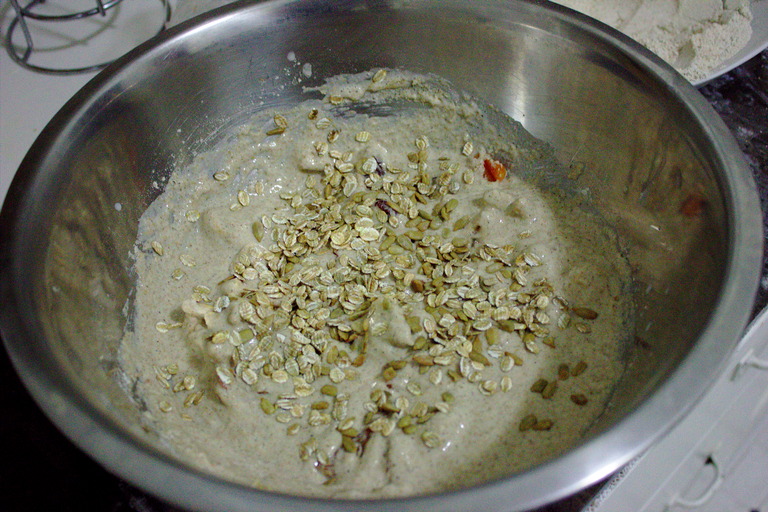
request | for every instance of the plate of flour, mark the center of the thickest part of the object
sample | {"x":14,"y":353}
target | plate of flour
{"x":702,"y":39}
{"x":756,"y":44}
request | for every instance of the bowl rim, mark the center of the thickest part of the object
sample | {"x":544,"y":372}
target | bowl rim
{"x":129,"y":457}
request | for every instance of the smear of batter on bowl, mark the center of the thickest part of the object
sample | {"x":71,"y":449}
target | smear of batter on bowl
{"x":370,"y":295}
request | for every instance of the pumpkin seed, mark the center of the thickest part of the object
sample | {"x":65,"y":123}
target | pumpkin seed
{"x":528,"y":422}
{"x":585,"y":313}
{"x":579,"y":399}
{"x":549,"y":390}
{"x":579,"y":368}
{"x":539,"y":385}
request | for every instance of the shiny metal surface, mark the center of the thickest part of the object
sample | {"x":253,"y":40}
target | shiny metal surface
{"x":643,"y":136}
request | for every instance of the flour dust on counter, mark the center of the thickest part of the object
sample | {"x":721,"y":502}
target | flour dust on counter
{"x":369,"y":295}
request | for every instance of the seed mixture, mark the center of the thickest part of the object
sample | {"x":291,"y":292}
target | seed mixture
{"x":356,"y":298}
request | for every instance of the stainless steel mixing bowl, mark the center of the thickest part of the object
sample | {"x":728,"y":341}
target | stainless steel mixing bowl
{"x":652,"y":156}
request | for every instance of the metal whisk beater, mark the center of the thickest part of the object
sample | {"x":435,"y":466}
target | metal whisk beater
{"x":32,"y":11}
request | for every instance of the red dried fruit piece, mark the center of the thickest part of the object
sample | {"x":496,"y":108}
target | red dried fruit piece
{"x":384,"y":206}
{"x":693,"y":205}
{"x":494,"y":170}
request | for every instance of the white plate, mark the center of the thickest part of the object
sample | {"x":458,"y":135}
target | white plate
{"x":756,"y":44}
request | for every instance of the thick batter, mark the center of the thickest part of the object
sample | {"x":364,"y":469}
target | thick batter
{"x":361,"y":296}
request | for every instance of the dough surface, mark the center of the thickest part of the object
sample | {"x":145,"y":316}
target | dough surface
{"x":368,"y":295}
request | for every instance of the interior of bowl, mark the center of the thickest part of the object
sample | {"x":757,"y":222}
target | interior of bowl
{"x":631,"y":133}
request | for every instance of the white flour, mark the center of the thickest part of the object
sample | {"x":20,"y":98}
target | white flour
{"x":694,"y":36}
